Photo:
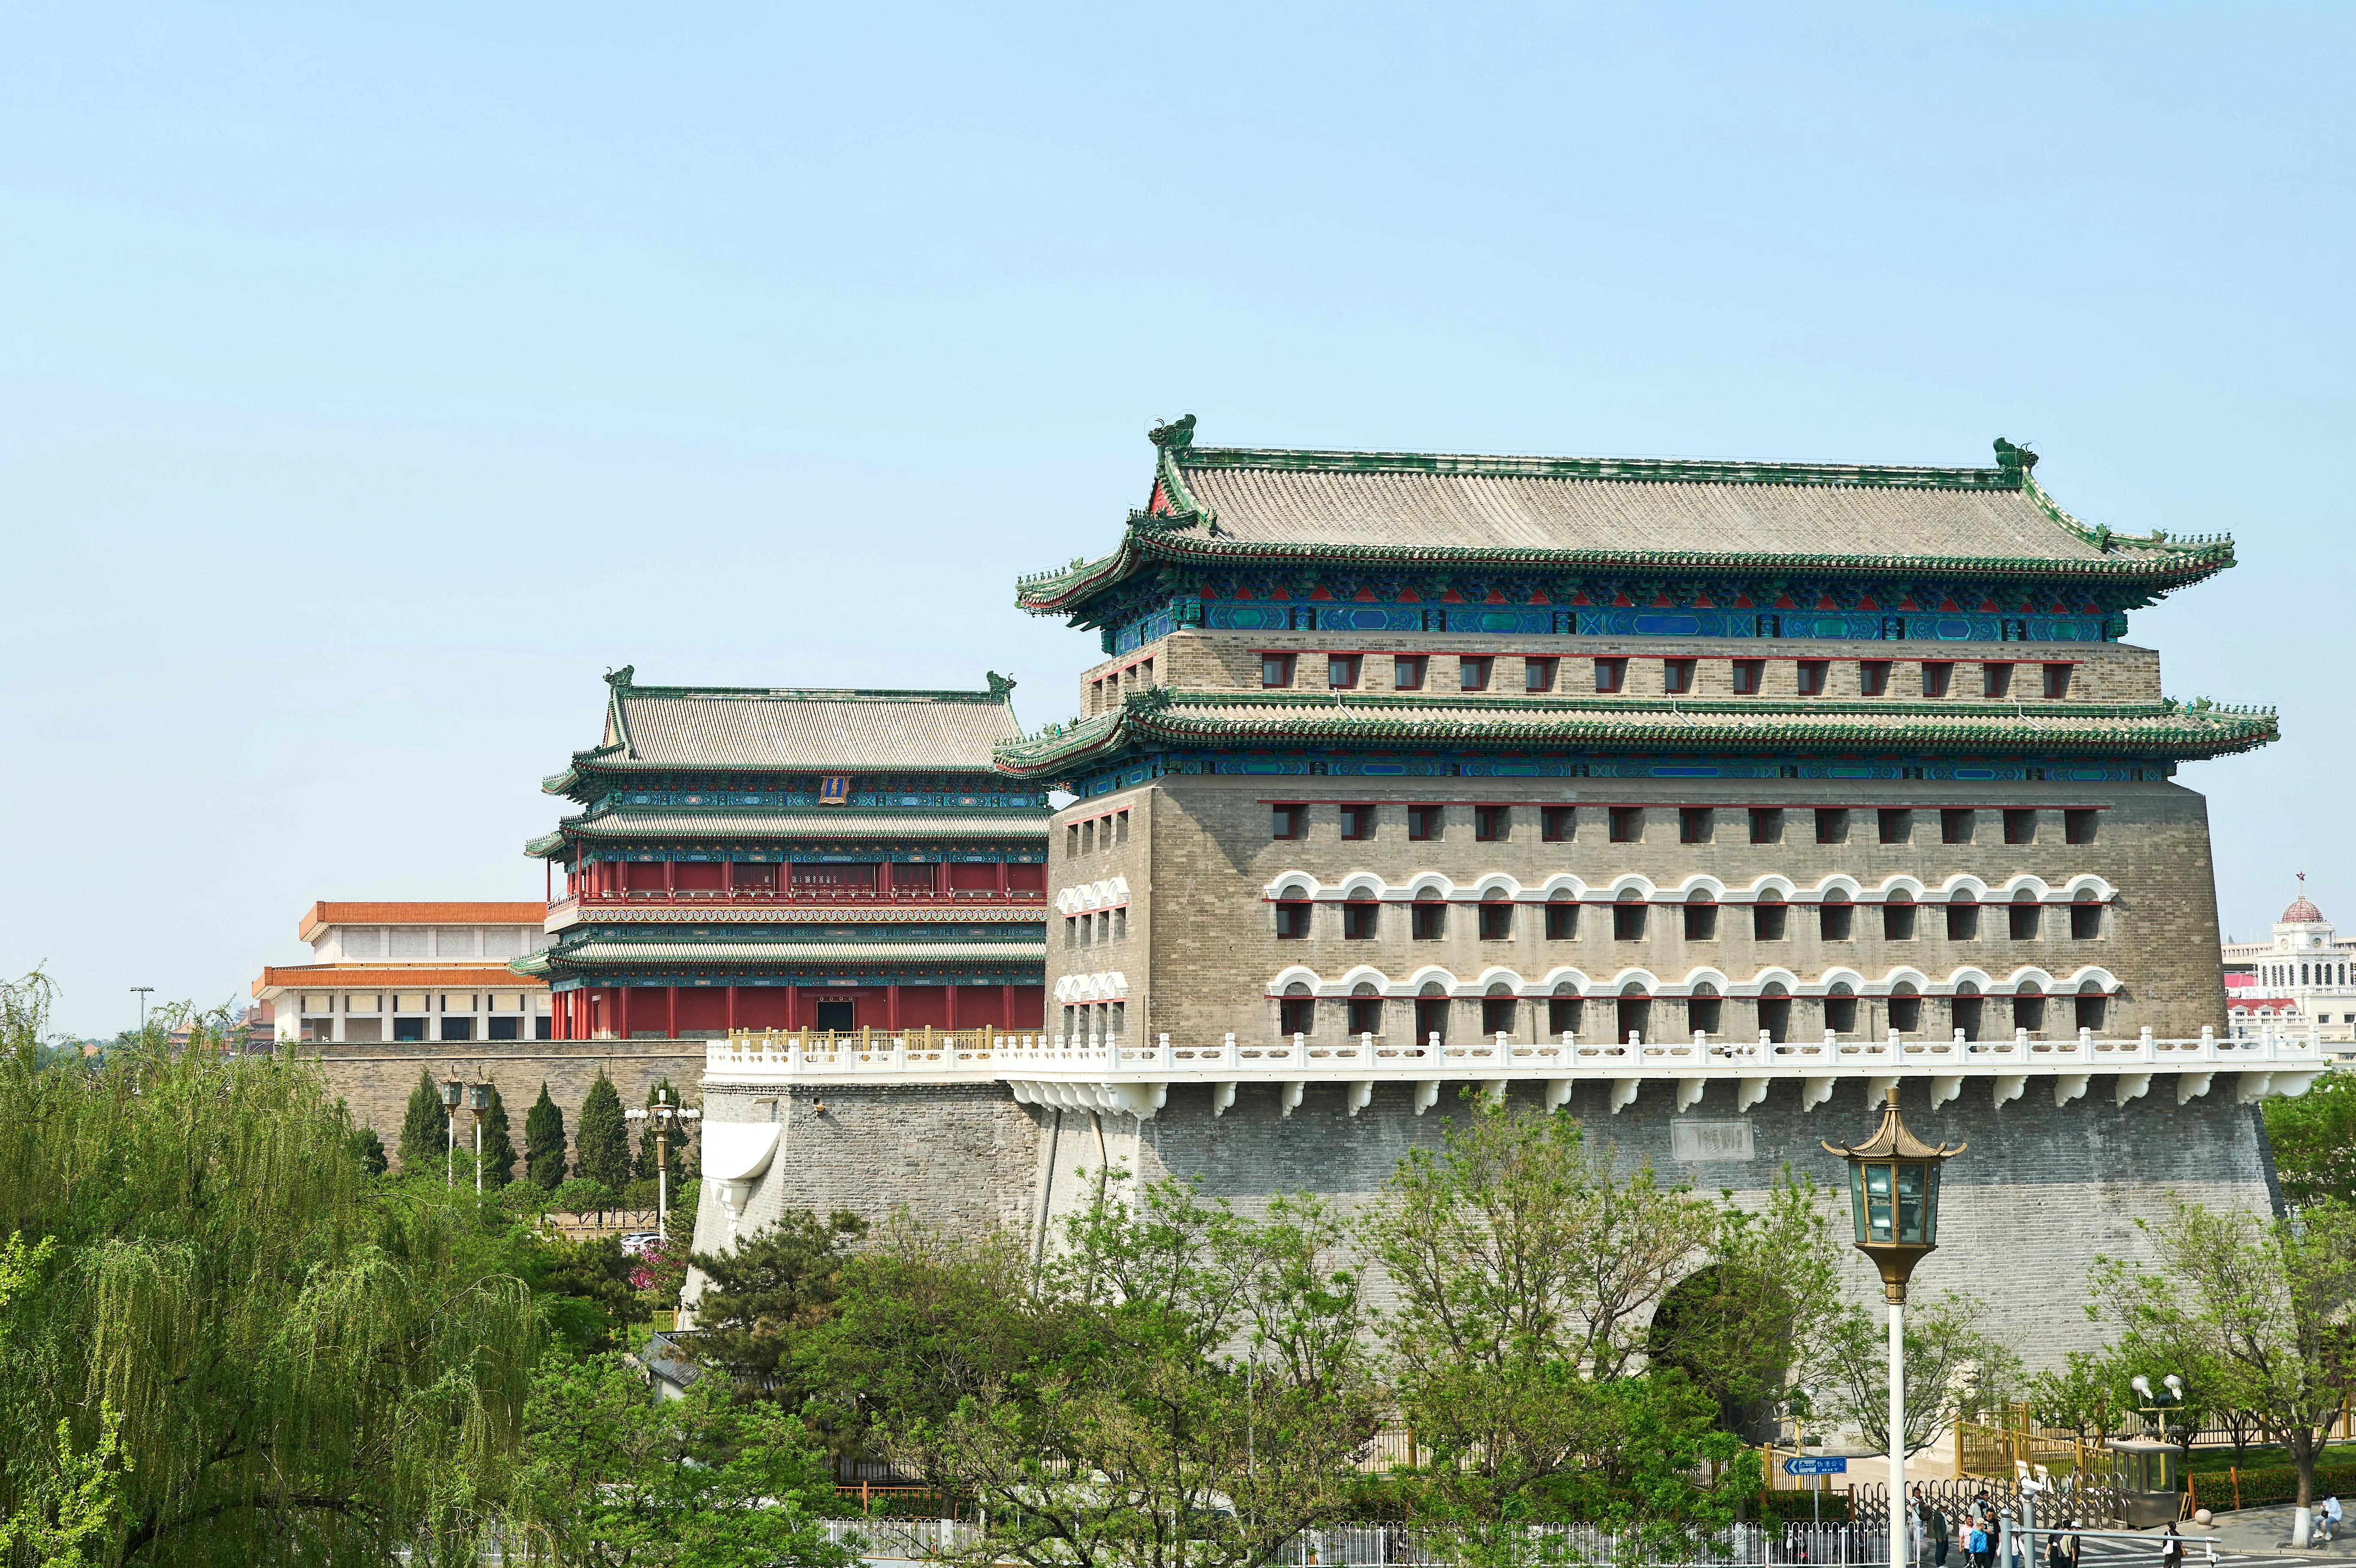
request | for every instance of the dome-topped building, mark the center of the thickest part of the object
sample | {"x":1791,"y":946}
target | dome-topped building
{"x":2304,"y":978}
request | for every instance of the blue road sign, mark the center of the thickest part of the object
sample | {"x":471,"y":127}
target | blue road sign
{"x":1815,"y":1465}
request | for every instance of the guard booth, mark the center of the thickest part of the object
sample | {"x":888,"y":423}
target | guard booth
{"x":2151,"y":1481}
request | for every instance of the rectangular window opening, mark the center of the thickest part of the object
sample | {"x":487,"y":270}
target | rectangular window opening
{"x":1611,"y":675}
{"x":1832,"y":825}
{"x":1897,"y":827}
{"x":1537,"y":675}
{"x":1937,"y":678}
{"x":1676,"y":677}
{"x":1996,"y":680}
{"x":1766,"y":825}
{"x":2057,"y":681}
{"x":1747,"y":674}
{"x":1873,"y":677}
{"x":1472,"y":673}
{"x":1627,"y":824}
{"x":1289,"y":822}
{"x":1407,"y":672}
{"x":1275,"y":669}
{"x":1556,"y":824}
{"x":1693,"y":824}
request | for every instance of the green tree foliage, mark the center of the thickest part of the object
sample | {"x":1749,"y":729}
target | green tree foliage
{"x":1529,"y":1348}
{"x":543,"y":1142}
{"x":499,"y":1146}
{"x":610,"y":1478}
{"x":2314,"y":1139}
{"x":2087,"y":1394}
{"x":776,"y":1285}
{"x":2267,"y":1305}
{"x":1197,"y":1362}
{"x":580,"y":1195}
{"x":368,"y":1149}
{"x":1956,"y":1363}
{"x":295,"y":1363}
{"x":601,"y":1143}
{"x":425,"y":1130}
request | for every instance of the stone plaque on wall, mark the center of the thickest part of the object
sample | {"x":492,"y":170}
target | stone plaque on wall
{"x":1694,"y":1142}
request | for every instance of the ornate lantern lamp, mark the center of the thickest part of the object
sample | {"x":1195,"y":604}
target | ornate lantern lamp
{"x":452,"y":1092}
{"x":1893,"y":1194}
{"x":479,"y":1100}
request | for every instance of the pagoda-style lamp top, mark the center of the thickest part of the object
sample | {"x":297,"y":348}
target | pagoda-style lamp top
{"x":478,"y":1095}
{"x":1893,"y":1194}
{"x":451,"y":1091}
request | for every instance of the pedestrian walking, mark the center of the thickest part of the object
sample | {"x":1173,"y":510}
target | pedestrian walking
{"x":1976,"y":1543}
{"x":1935,"y":1524}
{"x":2171,"y":1548}
{"x":2071,"y":1543}
{"x":1918,"y":1537}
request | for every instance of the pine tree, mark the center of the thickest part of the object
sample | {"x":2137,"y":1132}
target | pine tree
{"x":370,"y":1148}
{"x":498,"y":1145}
{"x":543,"y":1142}
{"x":602,"y":1147}
{"x":424,"y":1129}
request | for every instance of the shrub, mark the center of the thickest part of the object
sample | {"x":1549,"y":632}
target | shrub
{"x":2266,"y":1484}
{"x":580,"y":1195}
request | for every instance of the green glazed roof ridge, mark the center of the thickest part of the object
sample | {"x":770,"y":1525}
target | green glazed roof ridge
{"x":2204,"y":731}
{"x":1656,"y":470}
{"x":2101,"y":537}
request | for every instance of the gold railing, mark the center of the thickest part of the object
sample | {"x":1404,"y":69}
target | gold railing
{"x":1993,"y":1448}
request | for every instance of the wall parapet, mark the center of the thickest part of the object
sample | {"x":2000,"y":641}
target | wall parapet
{"x":1134,"y":1077}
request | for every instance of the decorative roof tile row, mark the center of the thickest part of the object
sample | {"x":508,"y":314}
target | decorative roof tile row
{"x":828,"y":825}
{"x":1230,"y":720}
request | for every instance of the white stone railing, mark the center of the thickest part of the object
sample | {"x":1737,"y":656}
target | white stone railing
{"x":1113,"y":1073}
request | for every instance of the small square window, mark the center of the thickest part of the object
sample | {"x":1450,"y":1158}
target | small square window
{"x":1359,"y":917}
{"x":1427,"y":920}
{"x":1701,"y":923}
{"x":1497,"y":1015}
{"x":1955,"y":826}
{"x":1422,"y":822}
{"x":1628,"y":922}
{"x":1935,"y":678}
{"x":1693,"y":824}
{"x":1898,"y":922}
{"x":1611,"y":675}
{"x":1896,"y":826}
{"x":1832,"y":825}
{"x":1836,"y":921}
{"x":1497,"y":921}
{"x":1358,"y":822}
{"x":1748,"y":673}
{"x":1407,"y":672}
{"x":1491,"y":822}
{"x":2085,"y":922}
{"x":1676,"y":677}
{"x":1472,"y":673}
{"x":1562,"y":921}
{"x":1963,"y":921}
{"x":1275,"y":669}
{"x":1365,"y":1015}
{"x":1558,"y":822}
{"x":2024,"y":921}
{"x":1812,"y":675}
{"x":1766,"y":825}
{"x":1996,"y":680}
{"x":1562,"y":1016}
{"x":2020,"y":827}
{"x":1627,"y":824}
{"x":1873,"y":677}
{"x":1537,"y":675}
{"x":1341,"y":670}
{"x":1292,"y":920}
{"x":1297,"y":1014}
{"x":1289,"y":822}
{"x":2078,"y":826}
{"x":2057,"y":681}
{"x":1769,"y":922}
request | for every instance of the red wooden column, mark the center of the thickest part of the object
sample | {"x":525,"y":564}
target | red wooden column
{"x":1001,"y":881}
{"x":623,"y":1028}
{"x":1006,"y":1005}
{"x":732,"y":1001}
{"x":952,"y":1015}
{"x":670,"y":877}
{"x":728,"y":875}
{"x":891,"y":1008}
{"x":793,"y":1007}
{"x":670,"y":1008}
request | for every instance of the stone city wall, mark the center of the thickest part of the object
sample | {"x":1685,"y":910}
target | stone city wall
{"x":376,"y":1079}
{"x":2040,"y":1192}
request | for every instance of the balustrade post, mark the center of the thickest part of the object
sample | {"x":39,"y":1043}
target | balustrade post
{"x":2144,"y":1039}
{"x":1832,"y":1039}
{"x":1433,"y":1043}
{"x":1367,"y":1045}
{"x":1163,"y":1057}
{"x":1299,"y":1049}
{"x":2208,"y":1040}
{"x":1505,"y":1047}
{"x":1569,"y":1043}
{"x":2021,"y":1041}
{"x":1636,"y":1039}
{"x":1701,"y":1039}
{"x":1229,"y":1060}
{"x":1960,"y":1041}
{"x":2085,"y":1041}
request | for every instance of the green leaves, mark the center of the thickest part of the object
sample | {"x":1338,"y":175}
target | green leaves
{"x":602,"y":1144}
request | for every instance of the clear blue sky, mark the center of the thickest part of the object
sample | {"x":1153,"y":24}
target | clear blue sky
{"x":371,"y":381}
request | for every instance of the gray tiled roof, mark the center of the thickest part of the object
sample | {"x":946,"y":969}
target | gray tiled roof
{"x":1479,"y":510}
{"x":812,"y":730}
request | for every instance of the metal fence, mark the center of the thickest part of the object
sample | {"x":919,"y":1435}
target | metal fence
{"x":1425,"y":1546}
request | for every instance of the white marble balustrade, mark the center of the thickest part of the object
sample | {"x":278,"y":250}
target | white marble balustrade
{"x":1134,"y":1076}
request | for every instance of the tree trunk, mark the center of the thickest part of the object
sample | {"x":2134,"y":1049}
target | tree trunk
{"x":2301,"y":1443}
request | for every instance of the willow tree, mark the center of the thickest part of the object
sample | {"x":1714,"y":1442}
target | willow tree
{"x":295,"y":1363}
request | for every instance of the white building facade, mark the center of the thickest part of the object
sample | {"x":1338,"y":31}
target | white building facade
{"x":2304,"y":978}
{"x":418,"y":972}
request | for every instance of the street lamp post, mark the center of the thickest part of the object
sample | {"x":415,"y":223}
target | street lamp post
{"x":143,"y":991}
{"x":664,"y":1113}
{"x":452,"y":1092}
{"x":1894,"y":1195}
{"x":479,"y":1098}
